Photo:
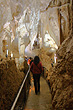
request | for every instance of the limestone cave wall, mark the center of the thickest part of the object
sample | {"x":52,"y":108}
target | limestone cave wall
{"x":61,"y":80}
{"x":56,"y":18}
{"x":10,"y":81}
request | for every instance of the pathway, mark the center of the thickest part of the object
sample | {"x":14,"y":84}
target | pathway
{"x":39,"y":102}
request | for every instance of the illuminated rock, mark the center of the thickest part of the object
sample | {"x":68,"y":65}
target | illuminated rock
{"x":35,"y":18}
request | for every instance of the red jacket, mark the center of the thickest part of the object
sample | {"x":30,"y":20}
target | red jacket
{"x":36,"y":69}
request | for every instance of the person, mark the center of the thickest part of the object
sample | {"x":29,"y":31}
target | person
{"x":36,"y":68}
{"x":28,"y":62}
{"x":31,"y":61}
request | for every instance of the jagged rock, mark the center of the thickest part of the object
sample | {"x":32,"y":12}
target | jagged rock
{"x":10,"y":81}
{"x":62,"y":77}
{"x":56,"y":18}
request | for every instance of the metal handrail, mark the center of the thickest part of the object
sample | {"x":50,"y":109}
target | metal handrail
{"x":16,"y":99}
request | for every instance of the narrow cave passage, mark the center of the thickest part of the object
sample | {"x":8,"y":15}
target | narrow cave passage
{"x":42,"y":101}
{"x":22,"y":24}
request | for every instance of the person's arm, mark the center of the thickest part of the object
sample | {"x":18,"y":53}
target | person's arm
{"x":31,"y":67}
{"x":41,"y":67}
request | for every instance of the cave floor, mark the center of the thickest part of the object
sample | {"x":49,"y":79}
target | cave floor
{"x":41,"y":101}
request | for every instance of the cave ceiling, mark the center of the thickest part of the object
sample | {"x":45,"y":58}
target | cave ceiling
{"x":31,"y":23}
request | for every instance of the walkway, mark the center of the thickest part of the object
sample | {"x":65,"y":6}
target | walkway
{"x":42,"y":101}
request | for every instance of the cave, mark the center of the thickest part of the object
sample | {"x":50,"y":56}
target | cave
{"x":43,"y":28}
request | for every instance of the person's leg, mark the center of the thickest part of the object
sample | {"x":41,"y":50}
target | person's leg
{"x":38,"y":83}
{"x":35,"y":83}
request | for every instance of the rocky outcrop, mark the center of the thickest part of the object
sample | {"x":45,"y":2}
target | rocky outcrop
{"x":61,"y":80}
{"x":10,"y":81}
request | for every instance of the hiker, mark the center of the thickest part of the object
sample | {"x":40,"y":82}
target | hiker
{"x":36,"y":69}
{"x":29,"y":61}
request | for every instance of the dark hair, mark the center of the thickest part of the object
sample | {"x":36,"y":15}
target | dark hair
{"x":36,"y":60}
{"x":30,"y":58}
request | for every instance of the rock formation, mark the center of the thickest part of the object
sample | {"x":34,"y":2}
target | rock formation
{"x":10,"y":81}
{"x":32,"y":19}
{"x":61,"y":80}
{"x":27,"y":25}
{"x":57,"y":20}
